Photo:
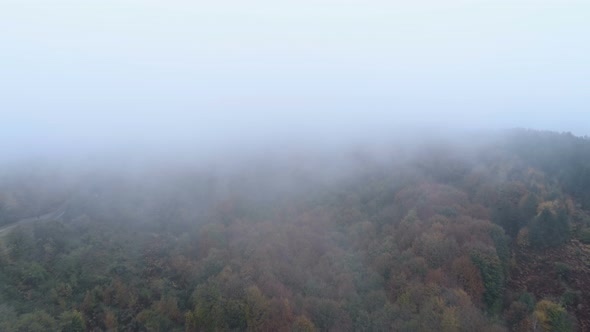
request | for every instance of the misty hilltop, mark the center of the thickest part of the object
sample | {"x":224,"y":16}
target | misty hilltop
{"x":473,"y":232}
{"x":309,"y":165}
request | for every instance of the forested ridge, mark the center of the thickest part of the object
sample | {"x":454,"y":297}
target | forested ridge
{"x":487,"y":235}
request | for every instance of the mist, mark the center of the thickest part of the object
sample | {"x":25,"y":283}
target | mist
{"x":144,"y":75}
{"x":294,"y":165}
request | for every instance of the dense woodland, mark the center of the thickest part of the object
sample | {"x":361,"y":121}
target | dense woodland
{"x":442,"y":235}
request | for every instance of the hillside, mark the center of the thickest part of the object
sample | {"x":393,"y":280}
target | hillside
{"x":481,"y":234}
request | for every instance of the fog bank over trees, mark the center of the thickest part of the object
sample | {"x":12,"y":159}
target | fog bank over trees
{"x":425,"y":232}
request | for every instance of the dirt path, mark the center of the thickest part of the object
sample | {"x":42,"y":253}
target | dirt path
{"x":55,"y":214}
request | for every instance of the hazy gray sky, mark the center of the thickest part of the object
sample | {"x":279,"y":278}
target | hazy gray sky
{"x":97,"y":72}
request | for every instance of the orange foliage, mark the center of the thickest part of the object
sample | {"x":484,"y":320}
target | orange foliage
{"x":469,"y":277}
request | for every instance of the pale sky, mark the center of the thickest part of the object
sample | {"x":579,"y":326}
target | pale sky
{"x":100,"y":72}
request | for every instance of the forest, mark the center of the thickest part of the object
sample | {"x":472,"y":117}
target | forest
{"x":485,"y":233}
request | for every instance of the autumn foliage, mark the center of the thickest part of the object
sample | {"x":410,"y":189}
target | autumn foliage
{"x":422,"y":243}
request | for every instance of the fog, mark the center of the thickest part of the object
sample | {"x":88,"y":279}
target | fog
{"x":98,"y":76}
{"x":310,"y":165}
